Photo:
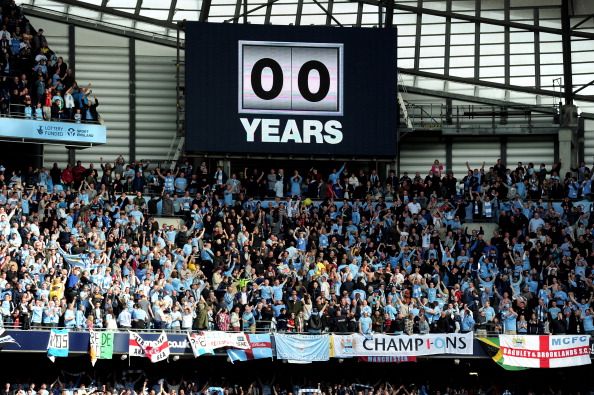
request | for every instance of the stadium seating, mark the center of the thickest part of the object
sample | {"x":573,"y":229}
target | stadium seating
{"x":36,"y":83}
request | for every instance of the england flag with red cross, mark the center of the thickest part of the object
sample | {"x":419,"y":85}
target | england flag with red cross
{"x":556,"y":351}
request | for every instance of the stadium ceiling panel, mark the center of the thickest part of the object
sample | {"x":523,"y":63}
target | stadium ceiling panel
{"x":509,"y":50}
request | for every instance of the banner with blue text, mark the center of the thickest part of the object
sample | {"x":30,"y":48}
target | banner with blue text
{"x":357,"y":345}
{"x":66,"y":132}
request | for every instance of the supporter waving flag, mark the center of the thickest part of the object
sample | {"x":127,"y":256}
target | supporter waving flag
{"x":156,"y":351}
{"x":136,"y":345}
{"x":76,"y":260}
{"x":159,"y":350}
{"x":260,"y":348}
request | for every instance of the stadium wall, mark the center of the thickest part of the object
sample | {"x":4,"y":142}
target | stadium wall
{"x":588,"y":140}
{"x":417,"y":152}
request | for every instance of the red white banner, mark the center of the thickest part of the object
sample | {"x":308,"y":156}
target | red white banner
{"x":156,"y":350}
{"x":556,"y":351}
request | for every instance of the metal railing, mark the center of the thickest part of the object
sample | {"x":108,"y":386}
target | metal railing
{"x":434,"y":116}
{"x":261,"y":327}
{"x":17,"y":111}
{"x":66,"y":17}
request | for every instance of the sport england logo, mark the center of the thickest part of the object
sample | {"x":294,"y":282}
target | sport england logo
{"x":292,"y":79}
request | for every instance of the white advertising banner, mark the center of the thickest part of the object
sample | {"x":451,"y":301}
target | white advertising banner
{"x":67,"y":132}
{"x":357,"y":345}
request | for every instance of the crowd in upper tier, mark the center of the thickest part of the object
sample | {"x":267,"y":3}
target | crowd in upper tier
{"x":345,"y":251}
{"x":35,"y":83}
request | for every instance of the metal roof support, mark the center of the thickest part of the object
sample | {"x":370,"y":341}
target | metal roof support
{"x":448,"y":40}
{"x":389,"y":24}
{"x":583,"y":87}
{"x":449,"y":145}
{"x":489,"y":84}
{"x":138,"y":7}
{"x":171,"y":11}
{"x":475,"y":19}
{"x":204,"y":11}
{"x":581,"y":139}
{"x":132,"y":101}
{"x":359,"y":14}
{"x":449,"y":96}
{"x":586,"y":19}
{"x":537,"y":81}
{"x":506,"y":44}
{"x":72,"y":48}
{"x":246,"y":12}
{"x":245,"y":9}
{"x":503,"y":149}
{"x":566,"y":44}
{"x":477,"y":40}
{"x":238,"y":12}
{"x":106,"y":28}
{"x":298,"y":13}
{"x":103,"y":7}
{"x":389,"y":13}
{"x":380,"y":17}
{"x":329,"y":16}
{"x":118,"y":13}
{"x":418,"y":32}
{"x":268,"y":12}
{"x":328,"y":12}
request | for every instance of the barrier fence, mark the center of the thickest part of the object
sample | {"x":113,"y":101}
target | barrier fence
{"x":291,"y":346}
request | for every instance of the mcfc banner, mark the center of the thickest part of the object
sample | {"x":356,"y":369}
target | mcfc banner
{"x":556,"y":351}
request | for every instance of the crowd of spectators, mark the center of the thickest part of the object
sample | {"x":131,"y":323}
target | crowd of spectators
{"x":161,"y":387}
{"x":35,"y":83}
{"x":137,"y":382}
{"x":273,"y":252}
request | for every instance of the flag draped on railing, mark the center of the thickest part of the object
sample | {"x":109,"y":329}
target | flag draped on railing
{"x":156,"y":350}
{"x":58,"y":344}
{"x":207,"y":341}
{"x":260,"y":348}
{"x":100,"y":345}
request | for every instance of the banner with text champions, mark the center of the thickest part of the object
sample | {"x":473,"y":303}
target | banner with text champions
{"x":299,"y":90}
{"x":357,"y":345}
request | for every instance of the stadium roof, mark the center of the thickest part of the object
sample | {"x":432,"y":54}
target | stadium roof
{"x":496,"y":50}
